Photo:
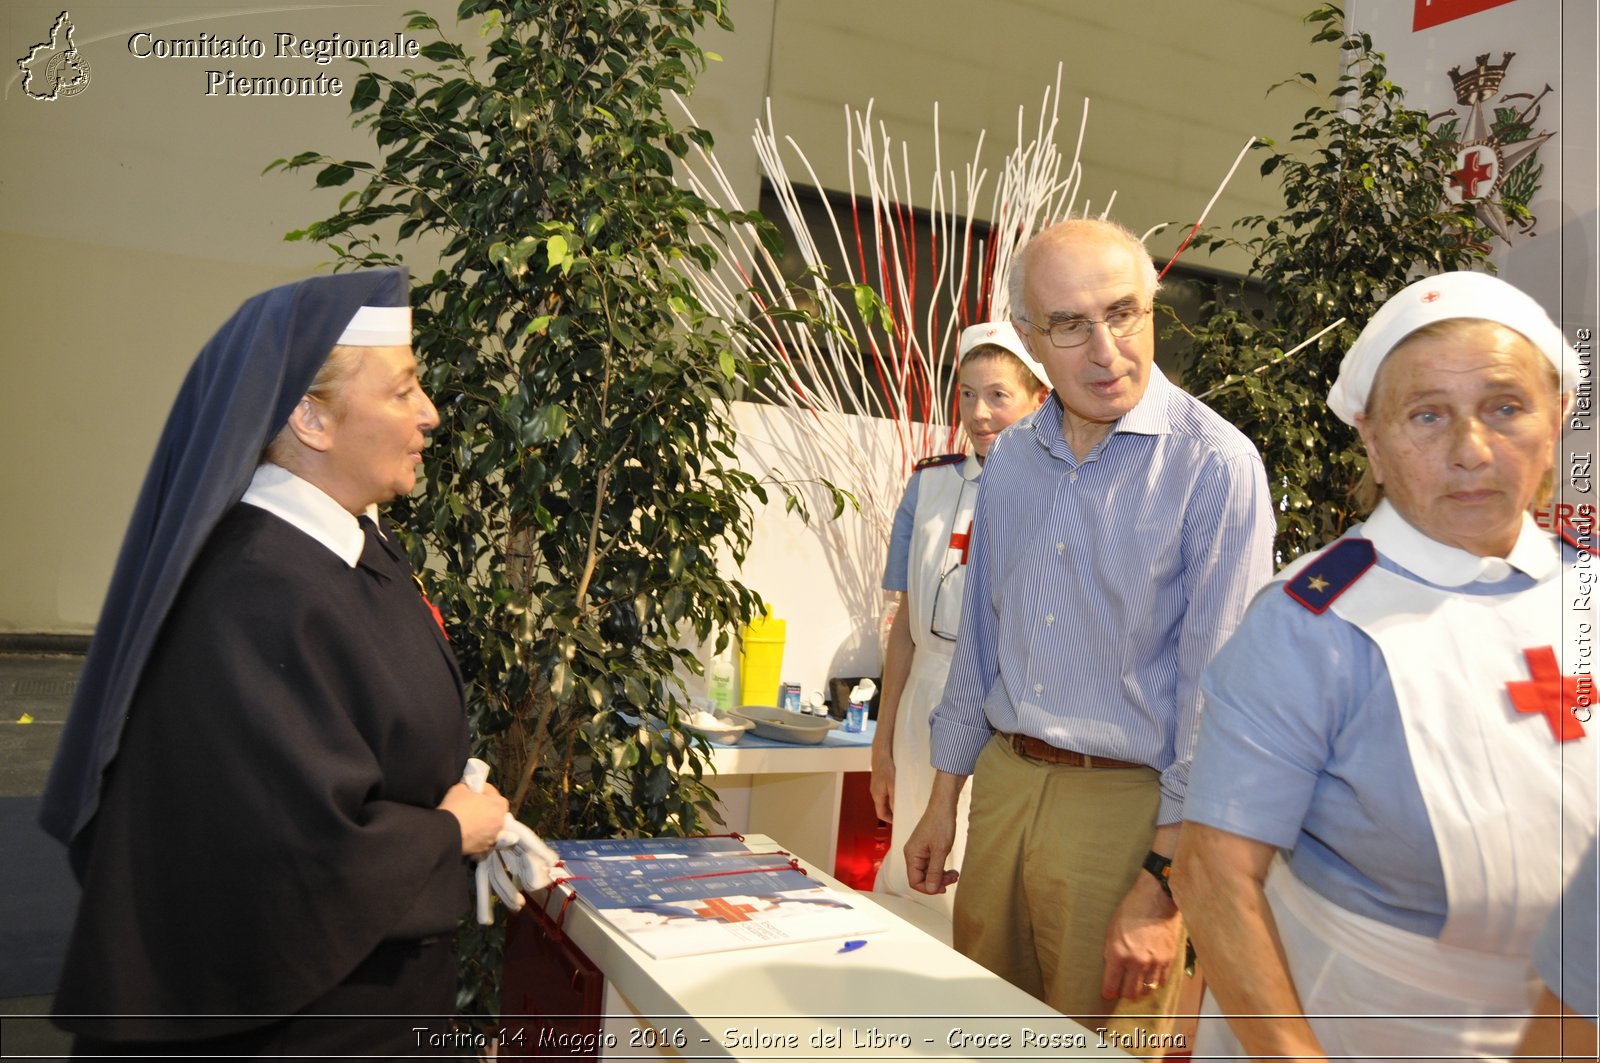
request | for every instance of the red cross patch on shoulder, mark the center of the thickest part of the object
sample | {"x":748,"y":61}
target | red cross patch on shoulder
{"x":1331,"y":573}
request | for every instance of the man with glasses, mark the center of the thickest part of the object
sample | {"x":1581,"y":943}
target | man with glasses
{"x":1119,"y":533}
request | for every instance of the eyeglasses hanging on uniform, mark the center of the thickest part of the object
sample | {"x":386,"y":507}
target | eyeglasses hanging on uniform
{"x":945,"y":617}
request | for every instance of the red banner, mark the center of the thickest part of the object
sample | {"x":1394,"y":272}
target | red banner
{"x":1437,"y":12}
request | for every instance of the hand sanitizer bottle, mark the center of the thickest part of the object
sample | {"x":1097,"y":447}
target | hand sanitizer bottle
{"x":720,"y":685}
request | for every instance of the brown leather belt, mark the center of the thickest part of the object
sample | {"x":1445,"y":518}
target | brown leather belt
{"x":1038,"y":749}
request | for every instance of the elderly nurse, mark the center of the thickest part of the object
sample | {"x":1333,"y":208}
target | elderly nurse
{"x":259,"y":779}
{"x":1391,"y":715}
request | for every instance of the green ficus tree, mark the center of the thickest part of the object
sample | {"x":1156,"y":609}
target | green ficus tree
{"x":1364,"y":214}
{"x":582,"y":479}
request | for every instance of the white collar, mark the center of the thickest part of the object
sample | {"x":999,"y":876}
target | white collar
{"x":1448,"y":566}
{"x":307,"y":507}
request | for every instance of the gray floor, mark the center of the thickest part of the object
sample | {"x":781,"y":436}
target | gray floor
{"x":35,"y":691}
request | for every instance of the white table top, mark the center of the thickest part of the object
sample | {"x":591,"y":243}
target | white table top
{"x":901,"y":996}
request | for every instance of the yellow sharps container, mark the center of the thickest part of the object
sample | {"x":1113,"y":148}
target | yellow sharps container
{"x":761,"y":659}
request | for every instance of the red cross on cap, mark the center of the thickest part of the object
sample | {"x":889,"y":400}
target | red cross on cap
{"x":991,"y":332}
{"x":1430,"y":297}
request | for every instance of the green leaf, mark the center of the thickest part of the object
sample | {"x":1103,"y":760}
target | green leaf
{"x":365,"y":93}
{"x":331,"y":176}
{"x":868,"y":305}
{"x":546,"y":423}
{"x":561,"y":681}
{"x":556,"y":249}
{"x":441,"y":51}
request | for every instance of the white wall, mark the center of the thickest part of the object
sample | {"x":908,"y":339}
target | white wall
{"x":134,"y":216}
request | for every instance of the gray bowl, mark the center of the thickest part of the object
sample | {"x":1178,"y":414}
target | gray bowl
{"x":781,"y":725}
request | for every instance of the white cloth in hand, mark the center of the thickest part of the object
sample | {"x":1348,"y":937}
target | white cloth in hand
{"x":519,"y":860}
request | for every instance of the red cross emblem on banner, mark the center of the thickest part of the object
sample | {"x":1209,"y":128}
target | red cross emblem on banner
{"x":962,"y":541}
{"x":1472,"y":173}
{"x":727,"y":911}
{"x":1552,"y":694}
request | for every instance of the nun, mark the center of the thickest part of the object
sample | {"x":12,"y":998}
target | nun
{"x":259,"y":780}
{"x":1395,"y":715}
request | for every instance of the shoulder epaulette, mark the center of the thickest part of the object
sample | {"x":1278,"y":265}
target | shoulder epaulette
{"x":1577,"y":536}
{"x":1331,"y":573}
{"x":938,"y":460}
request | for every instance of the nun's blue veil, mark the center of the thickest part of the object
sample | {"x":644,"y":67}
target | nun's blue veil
{"x":238,"y":394}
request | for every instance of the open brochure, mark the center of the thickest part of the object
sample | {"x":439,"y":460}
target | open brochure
{"x":688,"y":896}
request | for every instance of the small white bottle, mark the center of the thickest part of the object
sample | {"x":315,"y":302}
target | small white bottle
{"x":855,"y":720}
{"x":720,"y":685}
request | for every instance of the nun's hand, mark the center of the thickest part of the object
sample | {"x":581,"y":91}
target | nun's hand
{"x":481,"y":815}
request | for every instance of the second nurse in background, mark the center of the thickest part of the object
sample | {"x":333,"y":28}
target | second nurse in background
{"x":999,"y":383}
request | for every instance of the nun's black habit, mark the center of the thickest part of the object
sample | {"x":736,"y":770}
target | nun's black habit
{"x":249,"y":778}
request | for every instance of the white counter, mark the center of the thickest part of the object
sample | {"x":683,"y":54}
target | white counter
{"x":901,"y":996}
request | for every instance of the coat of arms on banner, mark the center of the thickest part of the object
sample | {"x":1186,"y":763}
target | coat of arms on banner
{"x":1497,"y":151}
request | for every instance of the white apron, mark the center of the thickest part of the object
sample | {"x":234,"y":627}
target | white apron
{"x":946,"y":496}
{"x":1511,"y":810}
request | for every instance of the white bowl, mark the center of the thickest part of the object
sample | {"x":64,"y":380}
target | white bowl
{"x":722,"y":729}
{"x":781,"y":725}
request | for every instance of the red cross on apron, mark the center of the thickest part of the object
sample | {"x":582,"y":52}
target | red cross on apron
{"x":1552,"y":694}
{"x":962,"y":541}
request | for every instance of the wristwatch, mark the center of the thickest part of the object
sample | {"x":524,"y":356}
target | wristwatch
{"x":1161,"y":867}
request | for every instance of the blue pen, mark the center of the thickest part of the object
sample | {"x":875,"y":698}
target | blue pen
{"x":851,"y":946}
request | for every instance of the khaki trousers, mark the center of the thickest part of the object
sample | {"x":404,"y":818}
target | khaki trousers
{"x":1051,"y":851}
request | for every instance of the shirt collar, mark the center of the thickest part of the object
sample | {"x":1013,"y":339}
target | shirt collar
{"x":1149,"y":416}
{"x":1447,"y":566}
{"x":972,"y":468}
{"x":305,"y":506}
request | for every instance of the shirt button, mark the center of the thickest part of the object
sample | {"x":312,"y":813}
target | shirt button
{"x":1050,"y":619}
{"x":1072,"y":477}
{"x":1060,"y":547}
{"x":1038,"y":688}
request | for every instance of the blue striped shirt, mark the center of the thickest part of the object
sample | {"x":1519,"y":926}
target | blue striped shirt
{"x":1098,"y":590}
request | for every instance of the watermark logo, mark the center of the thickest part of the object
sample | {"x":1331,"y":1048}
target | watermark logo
{"x":55,"y":69}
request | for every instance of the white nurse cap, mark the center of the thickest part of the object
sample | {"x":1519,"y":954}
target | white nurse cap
{"x":1440,"y":298}
{"x":1001,"y":334}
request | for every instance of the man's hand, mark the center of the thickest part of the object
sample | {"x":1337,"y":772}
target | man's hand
{"x":1142,"y":942}
{"x":930,"y":844}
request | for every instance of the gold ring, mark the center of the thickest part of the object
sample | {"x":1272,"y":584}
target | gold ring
{"x":1152,"y":985}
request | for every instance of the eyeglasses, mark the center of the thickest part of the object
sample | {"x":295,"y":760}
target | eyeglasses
{"x":1075,"y":332}
{"x":944,"y":620}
